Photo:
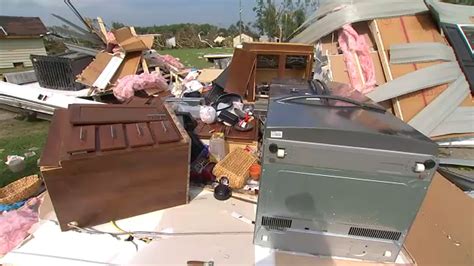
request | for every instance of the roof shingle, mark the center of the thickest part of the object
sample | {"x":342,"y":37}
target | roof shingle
{"x":21,"y":26}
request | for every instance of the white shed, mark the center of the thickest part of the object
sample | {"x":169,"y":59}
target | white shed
{"x":19,"y":38}
{"x":239,"y":39}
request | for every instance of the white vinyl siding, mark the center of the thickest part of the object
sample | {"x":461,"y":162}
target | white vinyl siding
{"x":19,"y":50}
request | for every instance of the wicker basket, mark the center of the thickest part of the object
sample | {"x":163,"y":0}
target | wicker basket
{"x":20,"y":189}
{"x":235,"y":166}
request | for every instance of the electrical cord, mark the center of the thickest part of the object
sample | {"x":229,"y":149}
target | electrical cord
{"x":151,"y":234}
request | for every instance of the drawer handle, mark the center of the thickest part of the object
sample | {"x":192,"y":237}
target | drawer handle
{"x":139,"y":130}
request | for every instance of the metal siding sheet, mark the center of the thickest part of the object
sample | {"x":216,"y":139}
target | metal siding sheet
{"x":460,"y":121}
{"x":451,"y":13}
{"x":421,"y":79}
{"x":433,"y":114}
{"x":358,"y":12}
{"x":420,"y":52}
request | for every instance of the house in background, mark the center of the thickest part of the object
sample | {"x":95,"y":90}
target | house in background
{"x":240,"y":39}
{"x":19,"y":38}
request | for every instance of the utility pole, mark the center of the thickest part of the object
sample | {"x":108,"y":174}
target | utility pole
{"x":240,"y":21}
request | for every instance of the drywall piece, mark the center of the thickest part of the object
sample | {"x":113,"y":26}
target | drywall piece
{"x":460,"y":121}
{"x":108,"y":72}
{"x":358,"y":12}
{"x":441,"y":107}
{"x":420,"y":52}
{"x":421,"y":79}
{"x":451,"y":13}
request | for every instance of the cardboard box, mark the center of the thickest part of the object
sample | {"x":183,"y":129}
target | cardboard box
{"x":131,"y":42}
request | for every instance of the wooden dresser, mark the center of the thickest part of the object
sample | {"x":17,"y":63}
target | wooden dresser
{"x":108,"y":162}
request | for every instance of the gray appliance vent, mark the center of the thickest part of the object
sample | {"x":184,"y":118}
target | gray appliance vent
{"x":374,"y":233}
{"x":276,"y":223}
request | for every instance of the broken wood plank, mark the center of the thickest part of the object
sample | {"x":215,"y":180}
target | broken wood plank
{"x":385,"y":65}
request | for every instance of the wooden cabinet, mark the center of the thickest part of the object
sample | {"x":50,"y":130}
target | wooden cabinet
{"x":108,"y":162}
{"x":259,"y":63}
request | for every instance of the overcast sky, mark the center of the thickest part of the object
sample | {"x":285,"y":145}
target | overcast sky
{"x":135,"y":12}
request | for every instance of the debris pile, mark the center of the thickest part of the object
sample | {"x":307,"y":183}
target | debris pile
{"x":347,"y":137}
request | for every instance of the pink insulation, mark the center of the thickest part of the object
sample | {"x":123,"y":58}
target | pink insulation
{"x":15,"y":225}
{"x":126,"y":86}
{"x":354,"y":47}
{"x":162,"y":61}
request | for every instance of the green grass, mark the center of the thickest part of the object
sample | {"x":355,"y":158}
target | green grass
{"x":195,"y":57}
{"x":16,"y":138}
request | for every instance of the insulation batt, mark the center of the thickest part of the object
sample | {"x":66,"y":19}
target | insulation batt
{"x":126,"y":86}
{"x":14,"y":225}
{"x":352,"y":44}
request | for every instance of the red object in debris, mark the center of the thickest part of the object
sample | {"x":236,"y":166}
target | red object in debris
{"x":254,"y":171}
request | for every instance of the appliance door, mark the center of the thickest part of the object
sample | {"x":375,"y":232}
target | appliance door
{"x":338,"y":200}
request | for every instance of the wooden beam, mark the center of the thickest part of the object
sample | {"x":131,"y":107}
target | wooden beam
{"x":145,"y":66}
{"x":374,"y":29}
{"x":102,"y":28}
